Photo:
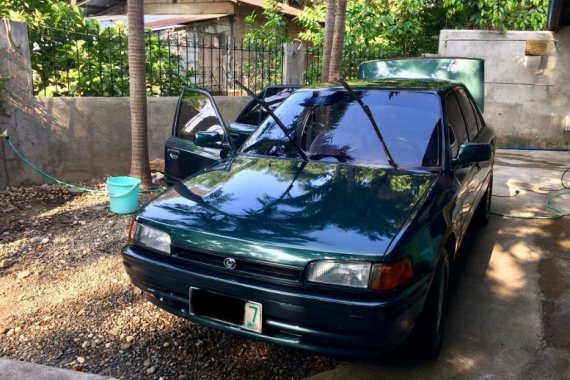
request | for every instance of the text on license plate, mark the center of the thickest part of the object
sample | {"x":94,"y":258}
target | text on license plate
{"x":231,"y":310}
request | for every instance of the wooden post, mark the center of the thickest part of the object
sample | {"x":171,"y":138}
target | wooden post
{"x":16,"y":96}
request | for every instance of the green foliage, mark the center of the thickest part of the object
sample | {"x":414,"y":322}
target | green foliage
{"x":504,"y":15}
{"x":272,"y":32}
{"x":41,"y":13}
{"x":71,"y":62}
{"x":73,"y":56}
{"x":387,"y":28}
{"x":95,"y":63}
{"x":378,"y":29}
{"x":266,"y":39}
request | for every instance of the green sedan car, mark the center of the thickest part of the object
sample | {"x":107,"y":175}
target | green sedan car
{"x":332,"y":228}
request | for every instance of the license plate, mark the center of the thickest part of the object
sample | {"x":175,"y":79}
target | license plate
{"x":252,"y":316}
{"x":227,"y":309}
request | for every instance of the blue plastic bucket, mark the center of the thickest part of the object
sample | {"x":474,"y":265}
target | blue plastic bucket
{"x":123,"y":194}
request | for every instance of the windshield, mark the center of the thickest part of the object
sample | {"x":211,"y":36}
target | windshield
{"x":329,"y":125}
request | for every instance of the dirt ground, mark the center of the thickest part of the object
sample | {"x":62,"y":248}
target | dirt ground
{"x":66,"y":301}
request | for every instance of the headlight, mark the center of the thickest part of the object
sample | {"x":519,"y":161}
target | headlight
{"x":355,"y":275}
{"x":379,"y":276}
{"x":150,"y":237}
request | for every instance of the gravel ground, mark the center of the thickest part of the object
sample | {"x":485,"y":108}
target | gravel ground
{"x":66,"y":301}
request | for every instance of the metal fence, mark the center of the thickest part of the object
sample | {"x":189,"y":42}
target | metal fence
{"x":94,"y":62}
{"x":350,"y":61}
{"x":212,"y":62}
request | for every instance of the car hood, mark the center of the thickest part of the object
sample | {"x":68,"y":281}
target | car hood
{"x":288,"y":212}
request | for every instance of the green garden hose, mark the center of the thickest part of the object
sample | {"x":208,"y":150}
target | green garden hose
{"x":557,"y":215}
{"x":63,"y":183}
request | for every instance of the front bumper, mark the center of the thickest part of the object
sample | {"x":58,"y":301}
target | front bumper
{"x":296,"y":317}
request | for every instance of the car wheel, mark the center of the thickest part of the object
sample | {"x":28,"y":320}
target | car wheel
{"x":483,"y":212}
{"x":431,"y":322}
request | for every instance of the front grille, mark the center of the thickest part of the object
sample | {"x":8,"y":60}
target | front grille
{"x":242,"y":266}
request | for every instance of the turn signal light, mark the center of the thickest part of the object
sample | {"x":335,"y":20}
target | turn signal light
{"x":392,"y":275}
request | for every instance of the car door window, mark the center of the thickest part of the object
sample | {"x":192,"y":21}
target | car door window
{"x":254,"y":114}
{"x":196,"y":113}
{"x":457,"y":131}
{"x":468,"y":114}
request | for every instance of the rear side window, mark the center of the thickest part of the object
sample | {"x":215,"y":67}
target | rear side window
{"x":467,"y":113}
{"x":477,"y":116}
{"x":457,"y":131}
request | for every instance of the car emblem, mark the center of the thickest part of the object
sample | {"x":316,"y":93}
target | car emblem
{"x":230,"y":263}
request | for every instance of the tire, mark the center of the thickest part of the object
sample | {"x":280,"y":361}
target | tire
{"x":483,"y":212}
{"x":430,"y":325}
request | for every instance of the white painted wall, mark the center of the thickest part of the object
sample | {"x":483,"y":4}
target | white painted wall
{"x":527,"y":98}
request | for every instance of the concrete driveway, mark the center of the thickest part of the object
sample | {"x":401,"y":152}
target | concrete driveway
{"x":509,"y":312}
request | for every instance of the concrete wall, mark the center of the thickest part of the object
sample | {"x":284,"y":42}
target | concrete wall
{"x":527,"y":98}
{"x":527,"y":101}
{"x":73,"y":138}
{"x":16,"y":68}
{"x":82,"y":137}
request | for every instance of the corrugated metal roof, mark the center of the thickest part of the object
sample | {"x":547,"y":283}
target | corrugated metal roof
{"x":157,"y":22}
{"x":173,"y":21}
{"x":95,"y":6}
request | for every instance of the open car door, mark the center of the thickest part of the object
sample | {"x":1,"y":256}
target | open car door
{"x":253,"y":114}
{"x":196,"y":112}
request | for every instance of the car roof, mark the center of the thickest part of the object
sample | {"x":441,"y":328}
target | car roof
{"x":436,"y":85}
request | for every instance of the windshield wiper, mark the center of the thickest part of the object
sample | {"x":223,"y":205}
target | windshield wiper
{"x":277,"y":120}
{"x":368,"y":113}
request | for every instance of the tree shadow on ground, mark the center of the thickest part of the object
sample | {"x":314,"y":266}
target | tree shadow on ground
{"x":494,"y":318}
{"x":176,"y":347}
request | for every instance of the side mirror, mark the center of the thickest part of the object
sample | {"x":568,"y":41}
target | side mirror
{"x":472,"y":153}
{"x":208,"y":139}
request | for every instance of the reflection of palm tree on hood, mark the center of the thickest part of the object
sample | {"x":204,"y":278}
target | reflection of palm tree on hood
{"x":350,"y":203}
{"x":295,"y":203}
{"x":210,"y":212}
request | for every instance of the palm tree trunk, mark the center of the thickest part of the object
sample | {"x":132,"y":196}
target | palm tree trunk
{"x":338,"y":41}
{"x":140,"y":167}
{"x":328,"y":39}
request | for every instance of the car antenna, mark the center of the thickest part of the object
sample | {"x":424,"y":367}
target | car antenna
{"x":277,"y":120}
{"x":368,"y":113}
